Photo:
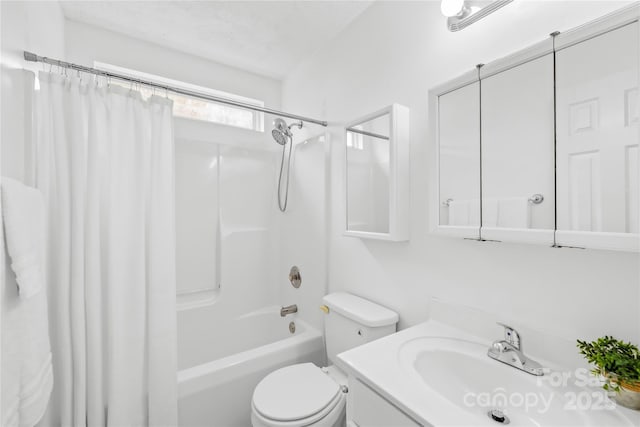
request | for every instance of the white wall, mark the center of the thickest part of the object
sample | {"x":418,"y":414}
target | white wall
{"x":86,"y":44}
{"x":395,"y":52}
{"x":36,"y":26}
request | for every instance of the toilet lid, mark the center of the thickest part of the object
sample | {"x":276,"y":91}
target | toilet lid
{"x":294,"y":392}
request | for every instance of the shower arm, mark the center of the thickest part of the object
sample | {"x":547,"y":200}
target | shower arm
{"x":300,"y":124}
{"x":32,"y":57}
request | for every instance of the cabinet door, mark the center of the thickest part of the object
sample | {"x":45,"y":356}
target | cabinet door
{"x":368,"y":175}
{"x":459,"y":161}
{"x":597,"y":141}
{"x":518,"y":153}
{"x":377,"y":175}
{"x":366,"y":408}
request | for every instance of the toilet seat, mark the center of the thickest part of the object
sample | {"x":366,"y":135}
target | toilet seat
{"x":297,"y":395}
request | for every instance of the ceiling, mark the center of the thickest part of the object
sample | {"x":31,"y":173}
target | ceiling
{"x":265,"y":37}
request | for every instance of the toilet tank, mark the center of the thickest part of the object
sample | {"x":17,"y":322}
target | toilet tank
{"x":353,"y":321}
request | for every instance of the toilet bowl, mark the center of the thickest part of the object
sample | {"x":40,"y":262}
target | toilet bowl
{"x":306,"y":395}
{"x":300,"y":395}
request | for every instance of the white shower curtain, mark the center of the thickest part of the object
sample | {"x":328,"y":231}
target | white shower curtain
{"x":104,"y":161}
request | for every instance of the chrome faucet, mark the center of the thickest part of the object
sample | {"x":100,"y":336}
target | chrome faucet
{"x":509,"y":351}
{"x":290,"y":309}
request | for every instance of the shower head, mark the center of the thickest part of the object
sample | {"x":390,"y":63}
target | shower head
{"x":281,"y":132}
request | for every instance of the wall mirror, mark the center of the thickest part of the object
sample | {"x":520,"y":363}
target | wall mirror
{"x":517,"y":149}
{"x":458,"y":113}
{"x":542,"y":146}
{"x":597,"y":142}
{"x":377,"y":175}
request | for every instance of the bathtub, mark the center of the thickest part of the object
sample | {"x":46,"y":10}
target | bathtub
{"x":215,"y":388}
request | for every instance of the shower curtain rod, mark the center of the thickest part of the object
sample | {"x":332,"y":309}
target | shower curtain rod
{"x":32,"y":57}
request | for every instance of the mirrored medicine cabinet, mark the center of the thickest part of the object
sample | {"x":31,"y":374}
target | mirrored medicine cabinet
{"x":542,"y":146}
{"x":377,"y":175}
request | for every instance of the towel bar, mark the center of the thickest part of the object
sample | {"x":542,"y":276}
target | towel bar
{"x":536,"y":199}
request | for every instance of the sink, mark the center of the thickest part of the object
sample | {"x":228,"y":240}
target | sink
{"x":460,"y":372}
{"x":440,"y":375}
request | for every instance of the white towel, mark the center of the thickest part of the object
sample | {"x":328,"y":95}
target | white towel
{"x":514,"y":212}
{"x":459,"y":212}
{"x":27,"y":378}
{"x":23,"y":217}
{"x":490,"y":212}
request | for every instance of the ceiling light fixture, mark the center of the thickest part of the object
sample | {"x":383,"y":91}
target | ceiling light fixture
{"x":462,"y":13}
{"x":451,"y":7}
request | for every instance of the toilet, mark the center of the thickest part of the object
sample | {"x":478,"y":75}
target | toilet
{"x":306,"y":395}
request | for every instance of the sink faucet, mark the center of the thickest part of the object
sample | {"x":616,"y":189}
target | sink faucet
{"x":290,"y":309}
{"x":509,"y":351}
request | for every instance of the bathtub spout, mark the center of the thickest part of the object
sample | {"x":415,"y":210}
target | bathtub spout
{"x":290,"y":309}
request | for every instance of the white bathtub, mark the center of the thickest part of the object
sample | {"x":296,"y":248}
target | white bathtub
{"x":215,"y":386}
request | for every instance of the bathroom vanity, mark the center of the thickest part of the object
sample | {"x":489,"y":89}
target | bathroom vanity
{"x":436,"y":374}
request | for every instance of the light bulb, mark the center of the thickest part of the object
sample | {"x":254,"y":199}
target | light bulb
{"x":451,"y":7}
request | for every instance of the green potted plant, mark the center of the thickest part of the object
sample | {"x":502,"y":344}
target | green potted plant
{"x":619,"y":364}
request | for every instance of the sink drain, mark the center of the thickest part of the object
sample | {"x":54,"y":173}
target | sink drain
{"x":498,"y":416}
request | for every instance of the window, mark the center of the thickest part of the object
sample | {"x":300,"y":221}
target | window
{"x":196,"y":108}
{"x":355,"y":140}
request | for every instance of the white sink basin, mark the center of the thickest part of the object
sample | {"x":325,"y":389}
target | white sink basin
{"x":461,"y":372}
{"x":441,"y":376}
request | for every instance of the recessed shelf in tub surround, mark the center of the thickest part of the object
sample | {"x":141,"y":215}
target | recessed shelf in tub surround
{"x":227,"y":231}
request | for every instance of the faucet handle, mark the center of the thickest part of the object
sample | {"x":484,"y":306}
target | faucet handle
{"x":511,"y":335}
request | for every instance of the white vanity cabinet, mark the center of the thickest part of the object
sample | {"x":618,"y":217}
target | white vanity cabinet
{"x":365,"y":407}
{"x":542,"y":146}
